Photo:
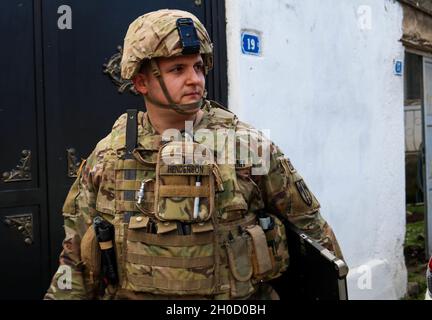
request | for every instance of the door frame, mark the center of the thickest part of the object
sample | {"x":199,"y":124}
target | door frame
{"x":215,"y":17}
{"x":427,"y":143}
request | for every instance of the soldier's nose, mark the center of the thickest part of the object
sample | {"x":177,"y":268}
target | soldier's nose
{"x":193,"y":76}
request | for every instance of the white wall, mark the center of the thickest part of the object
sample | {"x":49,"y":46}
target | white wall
{"x":325,"y":87}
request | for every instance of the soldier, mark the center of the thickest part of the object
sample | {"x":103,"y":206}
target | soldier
{"x":171,"y":229}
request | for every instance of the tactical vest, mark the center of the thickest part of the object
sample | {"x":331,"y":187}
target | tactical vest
{"x":185,"y":230}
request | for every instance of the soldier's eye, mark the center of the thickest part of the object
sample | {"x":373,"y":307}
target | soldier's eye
{"x":176,"y":69}
{"x":199,"y":67}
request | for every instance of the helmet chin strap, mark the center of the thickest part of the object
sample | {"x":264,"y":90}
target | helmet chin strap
{"x":184,"y":109}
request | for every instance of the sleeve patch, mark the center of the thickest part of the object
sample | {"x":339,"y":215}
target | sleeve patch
{"x":304,"y":192}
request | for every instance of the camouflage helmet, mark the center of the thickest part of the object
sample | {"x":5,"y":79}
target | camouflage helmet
{"x":154,"y":35}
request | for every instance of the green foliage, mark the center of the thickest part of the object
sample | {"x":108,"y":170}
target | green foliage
{"x":415,"y":234}
{"x":414,"y":250}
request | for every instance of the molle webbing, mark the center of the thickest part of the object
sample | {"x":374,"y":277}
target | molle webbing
{"x":123,"y":185}
{"x":171,"y":285}
{"x":246,"y":221}
{"x":172,"y":262}
{"x":171,"y":240}
{"x":126,"y":187}
{"x":184,"y":191}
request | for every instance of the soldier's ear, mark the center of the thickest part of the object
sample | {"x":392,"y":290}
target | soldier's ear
{"x":140,"y":82}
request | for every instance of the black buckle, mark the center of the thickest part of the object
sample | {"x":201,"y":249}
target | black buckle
{"x":188,"y":36}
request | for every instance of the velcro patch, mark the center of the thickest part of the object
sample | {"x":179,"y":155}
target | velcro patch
{"x":304,"y":192}
{"x":185,"y":170}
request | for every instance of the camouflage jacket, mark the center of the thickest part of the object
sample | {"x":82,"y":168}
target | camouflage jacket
{"x":281,"y":191}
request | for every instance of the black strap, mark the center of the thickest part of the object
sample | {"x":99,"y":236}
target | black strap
{"x":131,"y":132}
{"x":131,"y":142}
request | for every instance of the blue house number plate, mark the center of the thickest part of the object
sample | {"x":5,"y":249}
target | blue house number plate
{"x":398,"y":67}
{"x":251,"y":44}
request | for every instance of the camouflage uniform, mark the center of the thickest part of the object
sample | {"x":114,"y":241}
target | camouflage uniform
{"x":281,"y":192}
{"x":225,"y":254}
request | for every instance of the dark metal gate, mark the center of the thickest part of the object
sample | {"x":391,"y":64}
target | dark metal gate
{"x":56,"y":103}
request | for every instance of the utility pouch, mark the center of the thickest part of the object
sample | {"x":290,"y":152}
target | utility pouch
{"x":261,"y":258}
{"x":239,"y":252}
{"x":184,"y":192}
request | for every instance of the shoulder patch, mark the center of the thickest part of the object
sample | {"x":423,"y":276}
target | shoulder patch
{"x":304,"y":192}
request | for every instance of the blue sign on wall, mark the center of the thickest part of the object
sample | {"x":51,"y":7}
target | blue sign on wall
{"x":251,"y":44}
{"x":398,"y":67}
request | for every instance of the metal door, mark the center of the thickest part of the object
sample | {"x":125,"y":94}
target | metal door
{"x":57,"y":100}
{"x":23,"y":202}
